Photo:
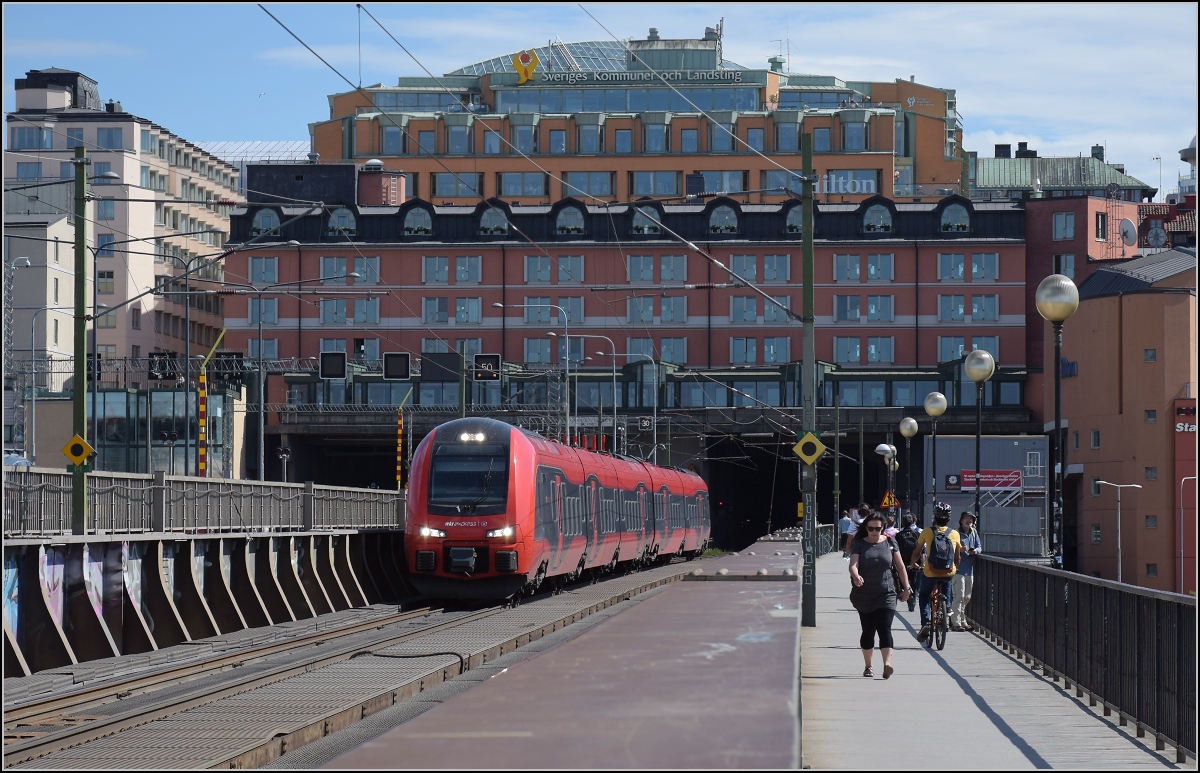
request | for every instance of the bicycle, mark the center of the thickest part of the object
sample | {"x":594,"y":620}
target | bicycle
{"x":939,"y":619}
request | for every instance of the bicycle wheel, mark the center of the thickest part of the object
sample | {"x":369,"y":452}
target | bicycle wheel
{"x":941,"y":625}
{"x":933,"y":609}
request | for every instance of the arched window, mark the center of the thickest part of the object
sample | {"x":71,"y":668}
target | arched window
{"x":341,"y":222}
{"x":723,"y":220}
{"x":493,"y":221}
{"x":418,"y":221}
{"x":795,"y":220}
{"x":645,"y":221}
{"x":955,"y":218}
{"x":570,"y":221}
{"x":878,"y":218}
{"x":265,"y":221}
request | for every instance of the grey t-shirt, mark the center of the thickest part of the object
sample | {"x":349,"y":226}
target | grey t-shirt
{"x":874,"y":562}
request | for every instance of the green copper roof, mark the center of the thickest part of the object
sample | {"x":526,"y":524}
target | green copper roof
{"x":1069,"y":172}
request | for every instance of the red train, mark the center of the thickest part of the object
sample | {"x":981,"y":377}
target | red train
{"x":495,"y":511}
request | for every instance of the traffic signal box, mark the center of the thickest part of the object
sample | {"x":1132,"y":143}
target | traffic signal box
{"x":333,"y":365}
{"x":487,"y":367}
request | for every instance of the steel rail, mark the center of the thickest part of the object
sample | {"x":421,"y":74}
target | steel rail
{"x":20,"y":751}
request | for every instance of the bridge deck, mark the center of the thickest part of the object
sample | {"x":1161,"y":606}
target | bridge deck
{"x":989,"y":711}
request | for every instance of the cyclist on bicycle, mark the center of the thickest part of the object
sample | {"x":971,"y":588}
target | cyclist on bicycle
{"x":941,"y":547}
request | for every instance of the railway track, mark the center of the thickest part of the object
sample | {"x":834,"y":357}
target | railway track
{"x":246,"y":708}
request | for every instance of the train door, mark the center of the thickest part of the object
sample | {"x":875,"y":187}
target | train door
{"x":593,"y":521}
{"x":548,"y":522}
{"x":664,"y":507}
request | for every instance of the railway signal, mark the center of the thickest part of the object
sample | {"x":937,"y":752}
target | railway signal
{"x":487,"y":367}
{"x":333,"y":365}
{"x":396,"y":366}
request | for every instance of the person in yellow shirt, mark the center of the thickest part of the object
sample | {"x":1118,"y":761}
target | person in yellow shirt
{"x":941,"y":547}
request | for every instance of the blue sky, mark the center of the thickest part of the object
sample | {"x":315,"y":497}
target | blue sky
{"x":1060,"y":76}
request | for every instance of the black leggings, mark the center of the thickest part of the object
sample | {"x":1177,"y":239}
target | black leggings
{"x":877,"y":620}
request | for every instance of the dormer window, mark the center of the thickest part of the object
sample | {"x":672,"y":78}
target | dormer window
{"x":723,"y":220}
{"x":645,"y":221}
{"x":493,"y":221}
{"x":570,"y":221}
{"x":418,"y":221}
{"x":265,"y":222}
{"x":795,"y":221}
{"x":877,"y":218}
{"x":955,"y":218}
{"x":341,"y":222}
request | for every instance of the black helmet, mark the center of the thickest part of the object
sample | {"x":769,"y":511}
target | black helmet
{"x":941,"y":513}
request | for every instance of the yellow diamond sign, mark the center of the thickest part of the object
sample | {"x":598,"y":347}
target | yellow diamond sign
{"x":77,"y":450}
{"x":809,"y":449}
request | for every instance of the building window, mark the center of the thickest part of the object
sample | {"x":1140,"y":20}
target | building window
{"x":573,"y":306}
{"x":845,"y":267}
{"x":333,"y":270}
{"x":854,"y":135}
{"x":754,"y":139}
{"x":1151,"y":521}
{"x":950,"y":267}
{"x":845,"y":308}
{"x":724,"y":181}
{"x":265,"y":310}
{"x":525,"y":139}
{"x":493,"y":221}
{"x":333,"y":311}
{"x":640,"y":309}
{"x":989,"y":344}
{"x":265,"y":222}
{"x":445,"y":184}
{"x":723,"y":220}
{"x":985,"y":266}
{"x":558,"y":141}
{"x":950,"y":348}
{"x":673,"y":268}
{"x":1075,"y":440}
{"x":654,"y":138}
{"x":1095,"y":438}
{"x":744,"y":266}
{"x":955,"y":218}
{"x":846,"y":350}
{"x":74,"y":138}
{"x":795,"y":221}
{"x":743,"y":308}
{"x":590,"y":139}
{"x":434,"y":346}
{"x":491,"y":143}
{"x":467,"y":310}
{"x":109,"y":139}
{"x":1151,"y":473}
{"x":782,"y":181}
{"x":777,"y":268}
{"x":985,"y":308}
{"x":787,"y":137}
{"x":880,"y":308}
{"x":1065,"y":265}
{"x":537,"y":309}
{"x":1064,"y":226}
{"x":35,"y":138}
{"x":877,"y":217}
{"x":775,"y":349}
{"x":1151,"y":417}
{"x":29,"y":170}
{"x":341,"y":222}
{"x":623,"y":140}
{"x":105,"y":282}
{"x":1102,"y":226}
{"x":881,"y":349}
{"x":1151,"y":570}
{"x":587,"y":184}
{"x":366,"y":311}
{"x":106,"y":209}
{"x":742,"y":351}
{"x":1151,"y":355}
{"x":104,"y":244}
{"x":424,"y":145}
{"x":537,"y":350}
{"x":674,"y":309}
{"x":645,"y":221}
{"x":720,"y":137}
{"x":435,"y":310}
{"x":820,"y":140}
{"x":393,"y":141}
{"x":418,"y":221}
{"x":881,"y":268}
{"x":106,"y":319}
{"x":950,"y":308}
{"x":1096,"y":534}
{"x":467,"y":269}
{"x":777,"y":313}
{"x":435,"y":269}
{"x":655,"y":183}
{"x":367,"y":269}
{"x":688,"y":141}
{"x":570,"y":221}
{"x":56,"y":332}
{"x":674,"y":350}
{"x":537,"y":268}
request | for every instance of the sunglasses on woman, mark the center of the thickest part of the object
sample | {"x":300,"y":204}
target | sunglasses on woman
{"x":874,"y":528}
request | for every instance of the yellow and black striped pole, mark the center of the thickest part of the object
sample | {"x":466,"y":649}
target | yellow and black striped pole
{"x":202,"y":413}
{"x":400,"y":448}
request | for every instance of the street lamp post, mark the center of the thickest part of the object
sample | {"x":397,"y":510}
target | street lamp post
{"x":654,"y":407}
{"x":979,"y":367}
{"x":888,"y":452}
{"x":262,"y":416}
{"x":908,"y":428}
{"x":566,"y":357}
{"x":1057,"y":298}
{"x":935,"y":406}
{"x":1118,"y":487}
{"x":614,"y":374}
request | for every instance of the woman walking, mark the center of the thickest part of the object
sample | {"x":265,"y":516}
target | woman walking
{"x":875,"y":565}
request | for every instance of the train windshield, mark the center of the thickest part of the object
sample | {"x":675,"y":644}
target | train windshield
{"x":468,"y":478}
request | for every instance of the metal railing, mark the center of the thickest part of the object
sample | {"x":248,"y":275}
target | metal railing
{"x":37,"y":503}
{"x":1131,"y":649}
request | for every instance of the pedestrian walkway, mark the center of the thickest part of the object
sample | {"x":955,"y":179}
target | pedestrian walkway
{"x":972,"y":703}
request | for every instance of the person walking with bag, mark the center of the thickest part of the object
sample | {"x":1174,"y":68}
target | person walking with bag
{"x":964,"y":578}
{"x":875,"y":570}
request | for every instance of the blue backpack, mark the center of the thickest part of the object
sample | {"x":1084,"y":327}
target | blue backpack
{"x":941,"y":551}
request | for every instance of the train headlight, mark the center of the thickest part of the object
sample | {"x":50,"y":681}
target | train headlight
{"x":477,"y":437}
{"x":425,"y":531}
{"x":507,"y":531}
